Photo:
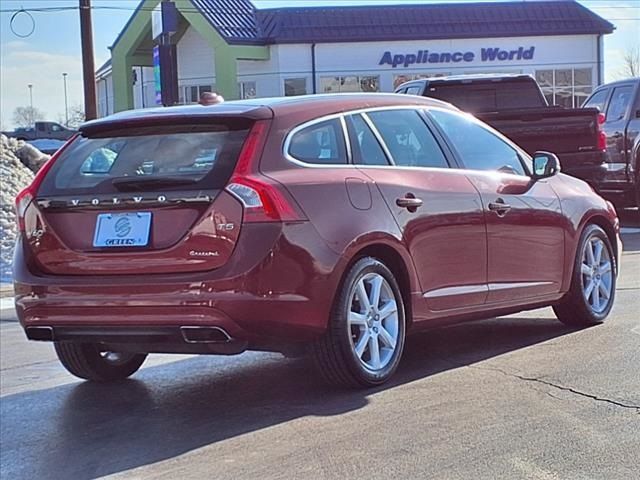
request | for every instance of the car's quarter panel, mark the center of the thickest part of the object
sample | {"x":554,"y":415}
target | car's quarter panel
{"x":335,"y":200}
{"x":526,"y":240}
{"x":445,"y":236}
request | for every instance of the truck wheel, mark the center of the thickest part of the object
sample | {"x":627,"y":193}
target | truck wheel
{"x":593,"y":284}
{"x":89,"y":361}
{"x":365,"y":336}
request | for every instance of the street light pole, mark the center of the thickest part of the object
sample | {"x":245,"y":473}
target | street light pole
{"x":31,"y":104}
{"x":66,"y":108}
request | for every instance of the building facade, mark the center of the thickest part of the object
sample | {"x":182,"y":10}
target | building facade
{"x":230,"y":47}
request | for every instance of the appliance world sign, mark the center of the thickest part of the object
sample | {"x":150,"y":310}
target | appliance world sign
{"x":425,"y":56}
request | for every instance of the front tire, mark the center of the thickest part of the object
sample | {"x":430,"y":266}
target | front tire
{"x":366,"y":332}
{"x":593,"y":284}
{"x":90,"y":362}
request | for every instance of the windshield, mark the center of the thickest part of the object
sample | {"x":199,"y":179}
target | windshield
{"x":146,"y":159}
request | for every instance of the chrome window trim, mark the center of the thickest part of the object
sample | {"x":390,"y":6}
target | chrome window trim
{"x":383,"y":145}
{"x":347,"y":140}
{"x":287,"y":141}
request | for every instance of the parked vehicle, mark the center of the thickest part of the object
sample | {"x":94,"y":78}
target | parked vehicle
{"x":42,"y":130}
{"x":329,"y":224}
{"x":620,"y":104}
{"x":515,"y":106}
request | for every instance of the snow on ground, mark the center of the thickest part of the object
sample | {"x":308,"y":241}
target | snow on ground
{"x":18,"y":163}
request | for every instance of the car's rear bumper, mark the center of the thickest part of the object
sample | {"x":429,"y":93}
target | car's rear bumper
{"x":263,"y":297}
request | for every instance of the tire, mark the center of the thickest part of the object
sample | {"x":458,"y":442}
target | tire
{"x":594,"y":268}
{"x":346,"y":354}
{"x":88,"y":361}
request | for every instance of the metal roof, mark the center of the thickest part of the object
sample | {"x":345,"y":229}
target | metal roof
{"x":429,"y":21}
{"x":239,"y":22}
{"x":234,"y":20}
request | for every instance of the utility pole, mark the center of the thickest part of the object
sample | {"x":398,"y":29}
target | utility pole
{"x":31,"y":96}
{"x":66,"y":107}
{"x":88,"y":67}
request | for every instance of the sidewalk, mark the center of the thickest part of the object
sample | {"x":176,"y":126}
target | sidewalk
{"x":6,"y":290}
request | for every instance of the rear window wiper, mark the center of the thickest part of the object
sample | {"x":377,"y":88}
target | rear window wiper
{"x":128,"y":184}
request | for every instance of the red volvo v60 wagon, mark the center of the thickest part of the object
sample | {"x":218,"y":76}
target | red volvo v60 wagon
{"x":328,"y":224}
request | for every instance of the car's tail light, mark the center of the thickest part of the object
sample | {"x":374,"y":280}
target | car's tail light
{"x":26,"y":195}
{"x":263,"y":199}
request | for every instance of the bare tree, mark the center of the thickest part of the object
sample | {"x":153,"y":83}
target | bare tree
{"x":631,"y":63}
{"x":26,"y":116}
{"x":76,"y":116}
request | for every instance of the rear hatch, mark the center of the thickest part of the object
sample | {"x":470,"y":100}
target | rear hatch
{"x":140,"y":199}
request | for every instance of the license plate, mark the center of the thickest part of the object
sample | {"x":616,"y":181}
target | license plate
{"x":122,"y":229}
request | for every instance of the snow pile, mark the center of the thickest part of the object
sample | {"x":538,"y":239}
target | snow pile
{"x":18,"y":163}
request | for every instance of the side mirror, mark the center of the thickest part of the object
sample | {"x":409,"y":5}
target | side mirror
{"x":545,"y":165}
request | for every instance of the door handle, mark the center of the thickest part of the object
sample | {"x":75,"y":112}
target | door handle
{"x":409,"y":202}
{"x":499,"y":207}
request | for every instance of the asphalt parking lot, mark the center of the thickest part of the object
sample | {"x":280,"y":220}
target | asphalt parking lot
{"x":515,"y":397}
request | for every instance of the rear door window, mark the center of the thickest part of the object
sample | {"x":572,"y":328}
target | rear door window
{"x":320,"y":143}
{"x":408,"y":138}
{"x":147,"y":159}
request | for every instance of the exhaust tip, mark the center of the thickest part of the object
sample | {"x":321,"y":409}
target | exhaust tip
{"x":42,"y":334}
{"x":205,"y":335}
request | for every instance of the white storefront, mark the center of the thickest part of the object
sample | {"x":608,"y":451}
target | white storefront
{"x":567,"y":67}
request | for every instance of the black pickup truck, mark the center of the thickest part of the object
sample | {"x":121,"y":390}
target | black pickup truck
{"x":620,"y":104}
{"x":42,"y":130}
{"x":515,"y":106}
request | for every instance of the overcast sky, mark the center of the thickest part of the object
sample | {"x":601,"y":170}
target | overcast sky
{"x":54,"y":45}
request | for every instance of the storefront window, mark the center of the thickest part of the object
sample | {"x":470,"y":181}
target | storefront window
{"x":247,"y":90}
{"x":406,"y":77}
{"x":191,"y":93}
{"x":351,"y":83}
{"x":568,"y":87}
{"x":295,"y":86}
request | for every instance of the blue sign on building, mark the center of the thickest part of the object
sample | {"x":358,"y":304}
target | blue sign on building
{"x":425,"y":56}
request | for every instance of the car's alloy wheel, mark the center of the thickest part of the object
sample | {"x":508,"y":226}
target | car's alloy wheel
{"x":596,"y":274}
{"x":373,"y":322}
{"x":593,"y":282}
{"x":365,"y":337}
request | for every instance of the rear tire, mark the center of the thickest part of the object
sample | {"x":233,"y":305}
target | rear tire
{"x":90,"y":362}
{"x":593,"y":282}
{"x":365,"y":336}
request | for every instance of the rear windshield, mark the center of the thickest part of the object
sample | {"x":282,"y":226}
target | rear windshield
{"x":147,"y":159}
